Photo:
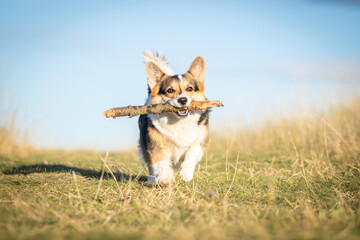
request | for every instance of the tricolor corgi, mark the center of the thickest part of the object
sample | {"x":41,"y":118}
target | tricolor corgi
{"x":173,"y":141}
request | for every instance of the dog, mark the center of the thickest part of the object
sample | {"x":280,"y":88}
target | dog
{"x":173,"y":141}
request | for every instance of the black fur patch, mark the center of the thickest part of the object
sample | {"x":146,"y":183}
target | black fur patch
{"x":193,"y":82}
{"x":165,"y":84}
{"x":144,"y":124}
{"x":196,"y":86}
{"x":204,"y":118}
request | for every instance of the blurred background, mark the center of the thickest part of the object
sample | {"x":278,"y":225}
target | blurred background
{"x":62,"y":63}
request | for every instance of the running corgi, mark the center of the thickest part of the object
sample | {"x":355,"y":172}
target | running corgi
{"x":173,"y":141}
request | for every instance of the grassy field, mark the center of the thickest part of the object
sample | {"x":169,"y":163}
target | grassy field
{"x":287,"y":179}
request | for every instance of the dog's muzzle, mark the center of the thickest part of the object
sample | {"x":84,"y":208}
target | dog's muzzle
{"x":179,"y":103}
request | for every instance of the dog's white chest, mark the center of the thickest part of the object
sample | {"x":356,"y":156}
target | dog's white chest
{"x":183,"y":133}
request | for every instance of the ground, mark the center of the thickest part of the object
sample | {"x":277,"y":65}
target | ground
{"x":285,"y":180}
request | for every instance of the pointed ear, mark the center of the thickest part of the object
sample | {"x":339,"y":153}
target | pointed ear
{"x":197,"y":69}
{"x":154,"y":74}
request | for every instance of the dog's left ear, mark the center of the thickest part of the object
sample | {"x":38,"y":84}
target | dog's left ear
{"x":197,"y":69}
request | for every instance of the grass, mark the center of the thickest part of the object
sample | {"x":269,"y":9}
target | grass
{"x":287,"y":179}
{"x":11,"y":140}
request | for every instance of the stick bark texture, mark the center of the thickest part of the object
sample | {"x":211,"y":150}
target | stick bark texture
{"x":158,"y":108}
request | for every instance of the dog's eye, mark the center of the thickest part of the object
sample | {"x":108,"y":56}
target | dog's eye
{"x":189,"y":89}
{"x":170,"y":90}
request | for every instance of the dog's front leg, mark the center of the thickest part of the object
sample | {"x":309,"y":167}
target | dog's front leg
{"x":192,"y":158}
{"x":161,"y":172}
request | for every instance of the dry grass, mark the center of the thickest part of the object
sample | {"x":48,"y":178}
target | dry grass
{"x":297,"y":178}
{"x":309,"y":139}
{"x":12,"y":141}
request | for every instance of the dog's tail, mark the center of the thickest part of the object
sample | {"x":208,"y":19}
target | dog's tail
{"x":159,"y":60}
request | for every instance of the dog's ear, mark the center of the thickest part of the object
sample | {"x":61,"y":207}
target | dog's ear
{"x":154,"y":74}
{"x":197,"y":69}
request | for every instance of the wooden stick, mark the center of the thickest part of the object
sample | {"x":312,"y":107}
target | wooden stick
{"x":159,"y":108}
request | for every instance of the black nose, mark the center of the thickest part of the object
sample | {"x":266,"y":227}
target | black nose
{"x":182,"y":100}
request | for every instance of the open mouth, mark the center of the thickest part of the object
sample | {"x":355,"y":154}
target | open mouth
{"x":183,"y":113}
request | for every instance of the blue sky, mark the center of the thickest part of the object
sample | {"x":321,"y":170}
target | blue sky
{"x":62,"y":63}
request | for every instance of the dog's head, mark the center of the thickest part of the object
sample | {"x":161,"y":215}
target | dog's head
{"x":179,"y":90}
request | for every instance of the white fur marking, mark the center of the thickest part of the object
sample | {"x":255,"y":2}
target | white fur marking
{"x":180,"y":77}
{"x":192,"y":158}
{"x":159,"y":60}
{"x":175,"y":103}
{"x":182,"y":132}
{"x":161,"y":172}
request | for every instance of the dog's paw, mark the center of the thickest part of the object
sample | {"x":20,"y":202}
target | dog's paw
{"x":187,"y":173}
{"x":161,"y":173}
{"x":162,"y":181}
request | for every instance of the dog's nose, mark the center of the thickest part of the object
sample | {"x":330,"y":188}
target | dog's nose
{"x":182,"y":100}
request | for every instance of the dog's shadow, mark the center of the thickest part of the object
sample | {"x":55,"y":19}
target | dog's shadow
{"x":59,"y":168}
